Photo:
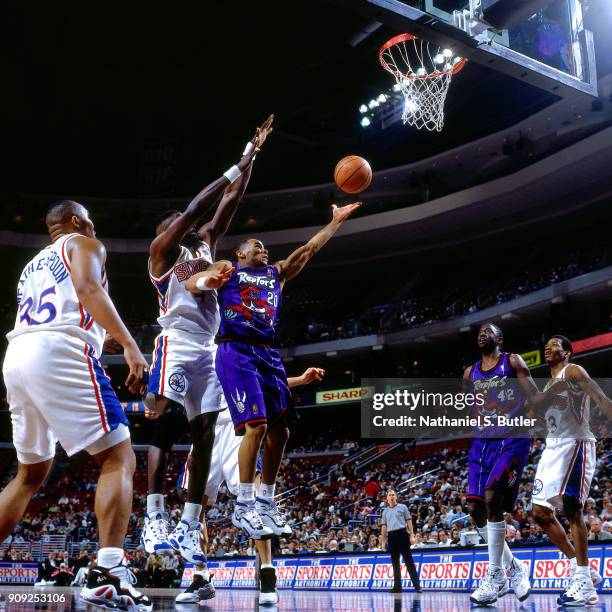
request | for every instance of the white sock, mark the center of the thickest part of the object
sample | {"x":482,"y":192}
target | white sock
{"x":109,"y":557}
{"x":484,"y":533}
{"x":246,"y":492}
{"x":204,"y":573}
{"x":507,"y":556}
{"x":192,"y":512}
{"x":155,"y":503}
{"x":583,"y":570}
{"x":267,"y":491}
{"x":265,"y":565}
{"x":497,"y":535}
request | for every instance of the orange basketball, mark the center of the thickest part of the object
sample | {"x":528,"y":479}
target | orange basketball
{"x":353,"y":174}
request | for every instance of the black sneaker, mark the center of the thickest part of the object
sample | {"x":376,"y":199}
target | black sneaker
{"x":267,"y":587}
{"x":133,"y":600}
{"x":102,"y":589}
{"x":190,"y":594}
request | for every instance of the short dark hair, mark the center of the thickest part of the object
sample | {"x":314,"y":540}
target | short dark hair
{"x":239,"y":246}
{"x":496,"y":328}
{"x":62,"y":210}
{"x":163,"y":216}
{"x":566,"y":343}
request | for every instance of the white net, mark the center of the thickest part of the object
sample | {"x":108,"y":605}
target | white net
{"x":423,"y":73}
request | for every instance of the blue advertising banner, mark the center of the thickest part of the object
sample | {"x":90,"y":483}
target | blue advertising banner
{"x":439,"y":570}
{"x":314,"y":573}
{"x":18,"y":573}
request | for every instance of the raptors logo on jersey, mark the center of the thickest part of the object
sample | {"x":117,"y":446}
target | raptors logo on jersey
{"x":46,"y":299}
{"x":250,"y":301}
{"x":178,"y":308}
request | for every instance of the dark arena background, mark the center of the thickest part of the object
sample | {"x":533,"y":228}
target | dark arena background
{"x":503,"y":216}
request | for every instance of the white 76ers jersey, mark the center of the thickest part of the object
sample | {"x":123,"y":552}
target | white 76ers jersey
{"x":568,"y":414}
{"x":178,"y":308}
{"x":47,"y":301}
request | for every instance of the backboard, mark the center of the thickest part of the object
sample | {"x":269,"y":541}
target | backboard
{"x":542,"y":42}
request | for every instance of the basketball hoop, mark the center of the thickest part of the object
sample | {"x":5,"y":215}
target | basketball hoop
{"x":423,"y":73}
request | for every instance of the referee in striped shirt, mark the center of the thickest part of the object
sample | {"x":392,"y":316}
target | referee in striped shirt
{"x":396,"y":529}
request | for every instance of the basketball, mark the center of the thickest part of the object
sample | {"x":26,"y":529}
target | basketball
{"x":353,"y":174}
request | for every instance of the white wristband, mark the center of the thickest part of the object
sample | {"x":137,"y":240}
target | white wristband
{"x":249,"y":147}
{"x":233,"y":174}
{"x":201,"y":283}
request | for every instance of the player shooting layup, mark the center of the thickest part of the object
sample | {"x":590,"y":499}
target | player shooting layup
{"x":567,"y":465}
{"x":252,"y":373}
{"x":57,"y":390}
{"x":183,"y":369}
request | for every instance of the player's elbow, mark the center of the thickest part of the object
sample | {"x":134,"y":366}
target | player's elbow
{"x":86,"y":289}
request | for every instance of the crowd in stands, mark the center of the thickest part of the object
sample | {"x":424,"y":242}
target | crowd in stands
{"x":310,"y":320}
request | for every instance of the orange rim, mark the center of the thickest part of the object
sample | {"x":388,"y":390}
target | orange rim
{"x":410,"y":75}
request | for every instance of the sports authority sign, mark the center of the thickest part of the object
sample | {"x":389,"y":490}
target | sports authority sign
{"x":439,"y":570}
{"x":18,"y":573}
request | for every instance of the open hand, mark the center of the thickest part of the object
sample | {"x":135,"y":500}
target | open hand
{"x":263,"y":131}
{"x":217,"y":278}
{"x":342,"y":213}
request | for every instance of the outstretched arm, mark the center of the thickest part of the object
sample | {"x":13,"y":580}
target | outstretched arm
{"x":293,"y":265}
{"x":530,"y":389}
{"x":87,"y":257}
{"x":164,"y":248}
{"x":216,"y":228}
{"x":575,"y":373}
{"x":214,"y":278}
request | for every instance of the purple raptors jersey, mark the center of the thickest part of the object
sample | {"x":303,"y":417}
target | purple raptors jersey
{"x":248,"y":304}
{"x":504,"y":396}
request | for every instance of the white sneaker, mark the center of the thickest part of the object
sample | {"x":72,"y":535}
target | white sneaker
{"x":186,"y":540}
{"x":154,"y":536}
{"x":580,"y":592}
{"x":272,"y":517}
{"x":519,"y":580}
{"x":596,"y":577}
{"x":245,"y":517}
{"x":199,"y":589}
{"x":141,"y":603}
{"x":488,"y":591}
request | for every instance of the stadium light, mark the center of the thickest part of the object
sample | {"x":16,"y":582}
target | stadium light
{"x":382,"y":98}
{"x":365,"y":122}
{"x":363,"y":109}
{"x":411,"y":106}
{"x":372,"y":104}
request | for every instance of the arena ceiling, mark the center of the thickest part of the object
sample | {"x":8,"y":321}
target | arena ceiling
{"x":157,"y":100}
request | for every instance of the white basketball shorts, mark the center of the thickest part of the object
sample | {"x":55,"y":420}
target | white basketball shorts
{"x":183,"y":370}
{"x":57,"y":390}
{"x":224,"y":461}
{"x":566,"y":467}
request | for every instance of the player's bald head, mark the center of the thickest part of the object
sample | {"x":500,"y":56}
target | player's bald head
{"x":496,"y":330}
{"x":68,"y":216}
{"x":62,"y":211}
